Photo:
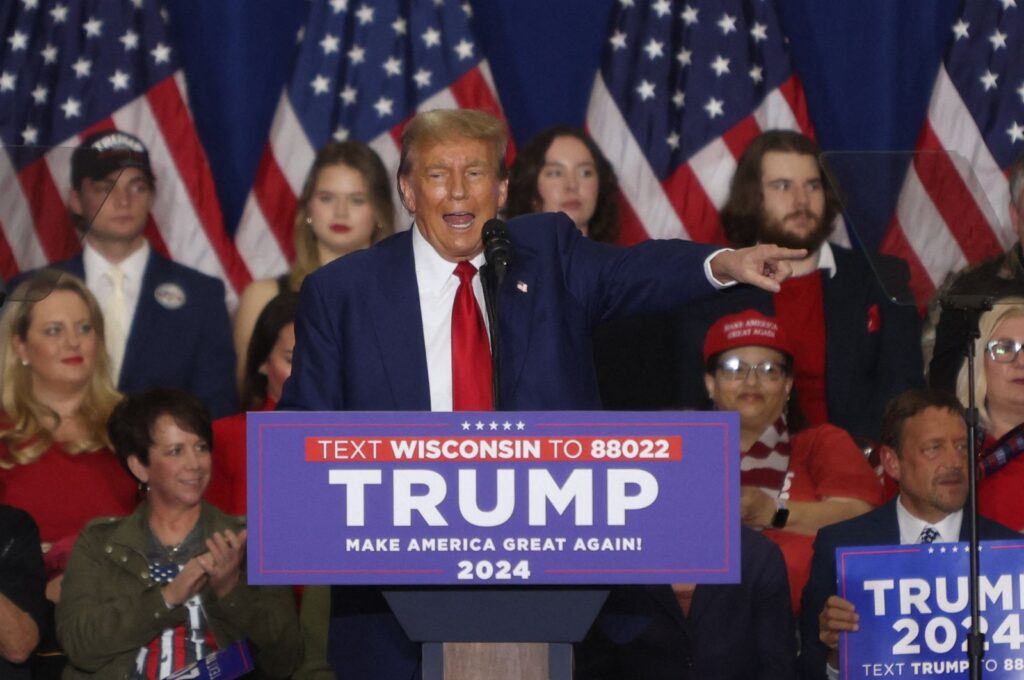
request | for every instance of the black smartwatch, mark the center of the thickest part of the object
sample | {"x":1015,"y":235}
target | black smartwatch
{"x":781,"y":515}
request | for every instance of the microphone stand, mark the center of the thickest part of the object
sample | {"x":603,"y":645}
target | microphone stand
{"x":972,"y":306}
{"x":489,"y":277}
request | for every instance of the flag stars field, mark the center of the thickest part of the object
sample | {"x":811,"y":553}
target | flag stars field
{"x":130,"y":40}
{"x":431,"y":37}
{"x":18,"y":41}
{"x":93,"y":28}
{"x":329,"y":43}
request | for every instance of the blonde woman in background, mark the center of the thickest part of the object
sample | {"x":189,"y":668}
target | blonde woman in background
{"x":999,"y":388}
{"x":56,"y":393}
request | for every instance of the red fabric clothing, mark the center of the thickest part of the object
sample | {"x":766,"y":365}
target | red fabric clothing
{"x":824,"y":463}
{"x":999,"y":494}
{"x":62,"y":491}
{"x":800,"y":310}
{"x":227,"y":480}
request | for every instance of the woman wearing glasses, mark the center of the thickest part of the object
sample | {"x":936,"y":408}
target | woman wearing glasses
{"x":794,"y":479}
{"x":999,"y":387}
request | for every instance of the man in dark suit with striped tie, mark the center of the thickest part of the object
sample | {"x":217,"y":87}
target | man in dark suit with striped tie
{"x":924,"y":448}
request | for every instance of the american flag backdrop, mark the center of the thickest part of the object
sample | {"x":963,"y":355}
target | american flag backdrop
{"x":362,"y":69}
{"x":682,"y":89}
{"x":953,"y":208}
{"x":69,"y":68}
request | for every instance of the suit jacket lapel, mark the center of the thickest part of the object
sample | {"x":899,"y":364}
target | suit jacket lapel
{"x":841,"y":316}
{"x":398,"y":325}
{"x":888,"y":523}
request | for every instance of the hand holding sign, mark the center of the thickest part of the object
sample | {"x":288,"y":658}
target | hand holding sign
{"x":838,"y":616}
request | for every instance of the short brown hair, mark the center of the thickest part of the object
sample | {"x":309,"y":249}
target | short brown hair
{"x":523,"y":197}
{"x":443,"y":125}
{"x":131,"y":424}
{"x":742,"y":213}
{"x":908,"y":404}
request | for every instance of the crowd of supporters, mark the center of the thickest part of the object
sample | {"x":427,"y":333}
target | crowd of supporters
{"x":113,"y":363}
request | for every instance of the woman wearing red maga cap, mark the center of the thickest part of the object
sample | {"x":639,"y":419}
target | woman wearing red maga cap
{"x":794,"y":480}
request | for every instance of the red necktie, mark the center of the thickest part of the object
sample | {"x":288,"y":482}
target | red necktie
{"x":471,"y":352}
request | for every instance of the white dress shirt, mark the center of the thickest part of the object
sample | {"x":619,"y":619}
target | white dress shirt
{"x":911,"y":527}
{"x":437,"y":284}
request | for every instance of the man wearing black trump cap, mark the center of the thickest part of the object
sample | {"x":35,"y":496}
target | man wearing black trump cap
{"x":166,"y":324}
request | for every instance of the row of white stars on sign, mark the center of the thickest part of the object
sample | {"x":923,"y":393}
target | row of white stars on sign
{"x":493,"y":425}
{"x":952,"y":548}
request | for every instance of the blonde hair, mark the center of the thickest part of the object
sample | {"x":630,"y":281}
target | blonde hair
{"x":1004,"y":308}
{"x":367,"y":163}
{"x":22,"y":431}
{"x":444,"y":125}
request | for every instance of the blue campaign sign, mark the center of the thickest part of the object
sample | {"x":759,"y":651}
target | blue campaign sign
{"x":914,"y":608}
{"x":493,"y":498}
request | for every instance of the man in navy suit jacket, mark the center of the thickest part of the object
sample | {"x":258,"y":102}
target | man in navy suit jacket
{"x":741,"y":631}
{"x":373,"y":328}
{"x":177,"y":332}
{"x":924,"y":447}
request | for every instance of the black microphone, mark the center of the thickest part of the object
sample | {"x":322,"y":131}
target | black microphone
{"x":497,"y":247}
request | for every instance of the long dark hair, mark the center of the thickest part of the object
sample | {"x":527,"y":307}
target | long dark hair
{"x":278,"y":313}
{"x":523,"y":197}
{"x":742,"y":213}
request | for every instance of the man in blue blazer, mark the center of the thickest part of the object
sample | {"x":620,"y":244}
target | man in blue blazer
{"x":166,"y":324}
{"x":374,"y":328}
{"x":924,"y":447}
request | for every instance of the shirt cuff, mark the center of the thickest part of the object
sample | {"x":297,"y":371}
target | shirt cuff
{"x":718,"y":285}
{"x":832,"y":673}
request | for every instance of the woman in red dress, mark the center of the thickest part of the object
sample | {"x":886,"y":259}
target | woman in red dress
{"x":56,"y":392}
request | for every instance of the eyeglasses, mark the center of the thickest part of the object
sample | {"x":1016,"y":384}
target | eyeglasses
{"x":735,"y":369}
{"x":1003,"y":351}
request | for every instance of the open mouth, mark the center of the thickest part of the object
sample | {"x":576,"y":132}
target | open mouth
{"x":340,"y":228}
{"x":459,"y":220}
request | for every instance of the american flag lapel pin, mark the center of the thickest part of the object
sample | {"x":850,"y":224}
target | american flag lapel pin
{"x":522,"y":287}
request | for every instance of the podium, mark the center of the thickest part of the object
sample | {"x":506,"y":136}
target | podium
{"x":487,"y":538}
{"x":498,"y":633}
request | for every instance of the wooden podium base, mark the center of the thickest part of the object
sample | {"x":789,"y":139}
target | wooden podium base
{"x":497,"y":661}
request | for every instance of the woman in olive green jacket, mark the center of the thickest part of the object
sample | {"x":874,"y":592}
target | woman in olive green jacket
{"x":144,"y":595}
